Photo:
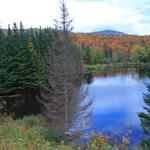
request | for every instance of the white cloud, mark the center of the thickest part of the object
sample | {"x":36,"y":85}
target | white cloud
{"x":89,"y":15}
{"x":31,"y":12}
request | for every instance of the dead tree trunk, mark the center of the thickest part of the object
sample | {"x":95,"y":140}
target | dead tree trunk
{"x":64,"y":73}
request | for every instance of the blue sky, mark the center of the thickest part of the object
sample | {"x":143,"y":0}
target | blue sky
{"x":129,"y":16}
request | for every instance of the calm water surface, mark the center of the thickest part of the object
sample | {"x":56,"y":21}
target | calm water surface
{"x":118,"y":97}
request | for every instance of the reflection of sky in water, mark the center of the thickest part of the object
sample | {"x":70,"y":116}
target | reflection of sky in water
{"x":117,"y":100}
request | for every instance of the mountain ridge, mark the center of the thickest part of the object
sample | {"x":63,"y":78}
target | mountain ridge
{"x":112,"y":32}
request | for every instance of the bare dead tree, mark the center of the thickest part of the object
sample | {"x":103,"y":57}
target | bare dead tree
{"x":63,"y":95}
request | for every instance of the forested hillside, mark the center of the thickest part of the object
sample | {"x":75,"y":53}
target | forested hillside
{"x":115,"y":42}
{"x":104,"y":48}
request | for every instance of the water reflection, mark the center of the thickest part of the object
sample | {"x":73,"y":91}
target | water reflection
{"x":118,"y":98}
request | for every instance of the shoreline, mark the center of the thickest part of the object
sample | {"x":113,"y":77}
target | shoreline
{"x":99,"y":67}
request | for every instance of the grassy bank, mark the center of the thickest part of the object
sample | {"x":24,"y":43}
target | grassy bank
{"x":26,"y":134}
{"x":29,"y":134}
{"x":99,"y":67}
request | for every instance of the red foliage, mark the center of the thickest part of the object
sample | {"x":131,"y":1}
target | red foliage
{"x":116,"y":42}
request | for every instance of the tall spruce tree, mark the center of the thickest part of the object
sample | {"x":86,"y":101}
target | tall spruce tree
{"x":11,"y":62}
{"x":145,"y":120}
{"x":32,"y":68}
{"x":87,"y":55}
{"x":2,"y":57}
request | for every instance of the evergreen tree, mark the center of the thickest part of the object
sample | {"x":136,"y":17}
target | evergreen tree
{"x":23,"y":36}
{"x":11,"y":84}
{"x":30,"y":69}
{"x":145,"y":120}
{"x":2,"y":57}
{"x":10,"y":64}
{"x":44,"y":38}
{"x":87,"y":55}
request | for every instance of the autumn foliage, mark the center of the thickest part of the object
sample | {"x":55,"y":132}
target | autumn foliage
{"x":115,"y":42}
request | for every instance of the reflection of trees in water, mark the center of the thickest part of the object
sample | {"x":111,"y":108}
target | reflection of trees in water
{"x":82,"y":115}
{"x":135,"y":73}
{"x":143,"y":72}
{"x":115,"y":72}
{"x":88,"y":78}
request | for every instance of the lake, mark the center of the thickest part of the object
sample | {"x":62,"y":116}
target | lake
{"x":117,"y":99}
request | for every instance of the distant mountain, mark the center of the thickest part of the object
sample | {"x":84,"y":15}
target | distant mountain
{"x":113,"y":32}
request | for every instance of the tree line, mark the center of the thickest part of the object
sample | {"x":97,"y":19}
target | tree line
{"x":138,"y":54}
{"x":21,"y":65}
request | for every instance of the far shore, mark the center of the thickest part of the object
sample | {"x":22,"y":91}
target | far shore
{"x":99,"y":67}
